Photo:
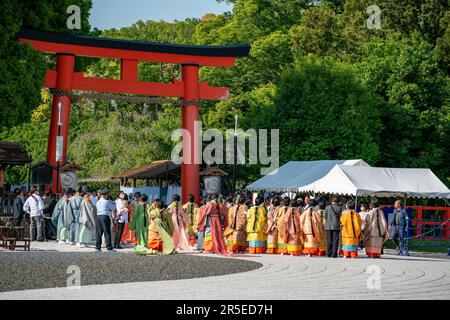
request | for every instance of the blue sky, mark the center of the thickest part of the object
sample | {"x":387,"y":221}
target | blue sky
{"x":107,"y":14}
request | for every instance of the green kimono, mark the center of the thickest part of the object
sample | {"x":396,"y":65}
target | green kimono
{"x":139,"y":225}
{"x":159,"y":229}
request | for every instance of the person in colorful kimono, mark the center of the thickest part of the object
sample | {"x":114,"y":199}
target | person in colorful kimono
{"x":290,"y":229}
{"x":235,"y":233}
{"x":180,"y":224}
{"x":128,"y":235}
{"x":213,"y":232}
{"x":271,"y":229}
{"x":351,"y":230}
{"x":86,"y":219}
{"x":375,"y":230}
{"x":321,"y":211}
{"x":256,"y":224}
{"x":201,"y":225}
{"x":312,"y":230}
{"x":190,"y":209}
{"x":62,"y":217}
{"x":160,"y":229}
{"x":139,"y":225}
{"x":363,"y":211}
{"x":74,"y":204}
{"x":282,"y":245}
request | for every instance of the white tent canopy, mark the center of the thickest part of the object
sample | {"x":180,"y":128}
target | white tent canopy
{"x":382,"y":182}
{"x":296,"y":174}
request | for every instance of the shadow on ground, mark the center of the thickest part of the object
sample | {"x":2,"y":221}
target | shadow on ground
{"x":36,"y":270}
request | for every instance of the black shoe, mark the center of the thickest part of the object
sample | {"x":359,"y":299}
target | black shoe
{"x":98,"y":250}
{"x":110,"y":249}
{"x":119,"y":247}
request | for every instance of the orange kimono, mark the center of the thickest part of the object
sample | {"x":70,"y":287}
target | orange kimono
{"x":282,"y":245}
{"x":312,"y":231}
{"x":272,"y":231}
{"x":235,"y":233}
{"x":291,"y":231}
{"x":129,"y":236}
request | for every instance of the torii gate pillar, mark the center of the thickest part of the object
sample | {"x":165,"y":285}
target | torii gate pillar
{"x":190,"y":167}
{"x":65,"y":68}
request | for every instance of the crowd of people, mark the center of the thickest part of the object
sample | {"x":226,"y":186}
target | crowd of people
{"x":273,"y":224}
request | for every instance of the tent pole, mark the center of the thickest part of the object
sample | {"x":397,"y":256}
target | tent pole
{"x":356,"y":203}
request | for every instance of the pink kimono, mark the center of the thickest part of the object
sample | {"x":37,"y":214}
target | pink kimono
{"x":180,"y":222}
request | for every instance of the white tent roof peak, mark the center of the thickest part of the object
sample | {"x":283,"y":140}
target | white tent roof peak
{"x":375,"y":181}
{"x":296,"y":174}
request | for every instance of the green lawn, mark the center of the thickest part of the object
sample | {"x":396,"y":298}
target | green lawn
{"x":422,"y":245}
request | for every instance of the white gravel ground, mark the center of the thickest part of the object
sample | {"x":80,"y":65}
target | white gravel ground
{"x":419,"y":276}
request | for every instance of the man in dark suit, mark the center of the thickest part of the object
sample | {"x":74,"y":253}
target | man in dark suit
{"x":19,"y":201}
{"x":333,"y":227}
{"x":397,"y":226}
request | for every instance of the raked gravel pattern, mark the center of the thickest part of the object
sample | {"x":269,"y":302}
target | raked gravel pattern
{"x":50,"y":269}
{"x":280,"y":277}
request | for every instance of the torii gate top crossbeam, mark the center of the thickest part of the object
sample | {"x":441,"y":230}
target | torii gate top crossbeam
{"x":46,"y":41}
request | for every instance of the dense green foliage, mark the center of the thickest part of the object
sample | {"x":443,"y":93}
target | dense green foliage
{"x":333,"y":87}
{"x":22,"y":68}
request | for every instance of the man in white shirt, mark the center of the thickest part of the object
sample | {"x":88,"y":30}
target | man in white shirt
{"x":105,"y":209}
{"x":34,"y":205}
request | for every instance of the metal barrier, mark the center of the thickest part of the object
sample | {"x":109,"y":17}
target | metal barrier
{"x":427,"y":233}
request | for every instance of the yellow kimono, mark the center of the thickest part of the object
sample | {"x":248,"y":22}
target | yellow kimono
{"x":323,"y":243}
{"x":282,"y":246}
{"x":256,"y":223}
{"x":191,"y":209}
{"x":351,"y":232}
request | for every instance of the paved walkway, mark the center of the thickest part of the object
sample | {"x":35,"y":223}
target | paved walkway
{"x":284,"y":277}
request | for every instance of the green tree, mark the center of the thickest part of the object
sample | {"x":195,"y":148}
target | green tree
{"x":406,"y":74}
{"x":324,"y":112}
{"x":318,"y":33}
{"x":21,"y":67}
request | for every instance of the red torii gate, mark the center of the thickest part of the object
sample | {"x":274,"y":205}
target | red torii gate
{"x":68,"y":46}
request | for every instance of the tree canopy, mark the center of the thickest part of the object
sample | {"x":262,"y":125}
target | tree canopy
{"x":334,"y":88}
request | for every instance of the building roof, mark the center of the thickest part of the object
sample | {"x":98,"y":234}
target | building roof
{"x":157,"y":169}
{"x":213,"y":171}
{"x":70,"y":166}
{"x":42,"y":164}
{"x":13,"y":154}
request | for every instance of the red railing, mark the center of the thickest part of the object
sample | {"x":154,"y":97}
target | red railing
{"x":420,"y":223}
